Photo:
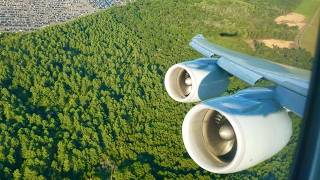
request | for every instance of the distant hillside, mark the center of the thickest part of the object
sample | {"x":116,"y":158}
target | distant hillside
{"x":86,"y":99}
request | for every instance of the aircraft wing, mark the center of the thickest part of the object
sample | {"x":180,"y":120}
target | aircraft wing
{"x":250,"y":69}
{"x":292,"y":83}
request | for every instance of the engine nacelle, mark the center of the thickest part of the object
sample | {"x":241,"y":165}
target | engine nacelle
{"x":230,"y":134}
{"x":196,"y":80}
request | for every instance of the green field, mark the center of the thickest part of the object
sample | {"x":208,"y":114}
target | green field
{"x":308,"y":8}
{"x":86,"y":99}
{"x":309,"y":40}
{"x":311,"y":9}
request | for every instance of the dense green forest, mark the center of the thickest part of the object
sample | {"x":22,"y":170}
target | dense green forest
{"x":85,"y":99}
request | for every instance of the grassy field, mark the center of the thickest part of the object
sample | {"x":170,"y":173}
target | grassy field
{"x":308,"y":8}
{"x":311,"y":9}
{"x":309,"y":39}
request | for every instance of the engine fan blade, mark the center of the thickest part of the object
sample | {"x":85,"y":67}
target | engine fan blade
{"x":185,"y":83}
{"x":219,"y":136}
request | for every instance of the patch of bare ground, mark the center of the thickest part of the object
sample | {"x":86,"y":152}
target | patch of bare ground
{"x":278,"y":43}
{"x":251,"y":44}
{"x":292,"y":19}
{"x":272,"y":43}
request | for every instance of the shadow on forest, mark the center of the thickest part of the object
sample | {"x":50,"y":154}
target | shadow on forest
{"x":72,"y":50}
{"x":113,"y":93}
{"x":155,"y":168}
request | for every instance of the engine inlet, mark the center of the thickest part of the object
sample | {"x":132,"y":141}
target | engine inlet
{"x":219,"y":137}
{"x":184,"y":83}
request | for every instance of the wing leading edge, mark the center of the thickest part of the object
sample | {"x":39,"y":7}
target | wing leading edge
{"x":292,"y":83}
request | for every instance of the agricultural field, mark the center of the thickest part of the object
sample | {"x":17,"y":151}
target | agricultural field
{"x":311,"y":9}
{"x":85,"y":99}
{"x":308,"y":8}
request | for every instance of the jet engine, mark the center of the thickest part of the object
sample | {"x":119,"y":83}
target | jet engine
{"x":233,"y":133}
{"x":196,"y":80}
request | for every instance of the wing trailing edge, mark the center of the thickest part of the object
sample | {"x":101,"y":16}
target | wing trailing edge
{"x":250,"y":69}
{"x":291,"y":83}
